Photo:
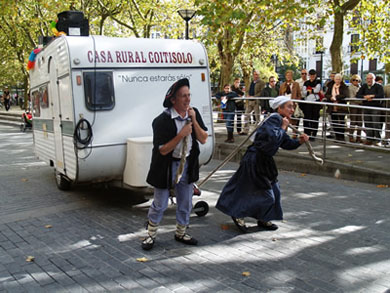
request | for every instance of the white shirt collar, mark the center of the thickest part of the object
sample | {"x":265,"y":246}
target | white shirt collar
{"x":175,"y":115}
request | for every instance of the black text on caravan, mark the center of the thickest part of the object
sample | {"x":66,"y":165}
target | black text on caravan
{"x":139,"y":57}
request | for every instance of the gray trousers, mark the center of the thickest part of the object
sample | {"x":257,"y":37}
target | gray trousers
{"x":183,"y":193}
{"x":372,"y":124}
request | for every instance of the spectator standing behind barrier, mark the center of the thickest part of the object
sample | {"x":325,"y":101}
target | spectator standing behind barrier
{"x":379,"y":79}
{"x":386,"y":90}
{"x":310,"y":91}
{"x":7,"y":99}
{"x":292,"y":89}
{"x":255,"y":89}
{"x":175,"y":137}
{"x":329,"y":80}
{"x":303,"y":78}
{"x":240,"y":105}
{"x":272,"y":91}
{"x":336,"y":93}
{"x":228,"y":107}
{"x":370,"y":91}
{"x":355,"y":115}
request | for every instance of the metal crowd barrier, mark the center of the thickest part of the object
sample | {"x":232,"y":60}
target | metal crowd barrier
{"x":326,"y":127}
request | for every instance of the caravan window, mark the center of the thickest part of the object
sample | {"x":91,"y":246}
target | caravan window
{"x":35,"y":98}
{"x":44,"y":97}
{"x":99,"y":90}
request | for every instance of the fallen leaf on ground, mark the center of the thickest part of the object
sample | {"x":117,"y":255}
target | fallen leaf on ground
{"x":30,"y":258}
{"x":382,"y":186}
{"x":274,"y":239}
{"x":142,"y":259}
{"x":224,"y":227}
{"x":246,"y":274}
{"x":48,"y":226}
{"x":24,"y":179}
{"x":303,"y":174}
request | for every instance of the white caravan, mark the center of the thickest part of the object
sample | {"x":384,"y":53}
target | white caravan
{"x":93,"y":95}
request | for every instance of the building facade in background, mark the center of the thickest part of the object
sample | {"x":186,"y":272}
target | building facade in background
{"x":307,"y":45}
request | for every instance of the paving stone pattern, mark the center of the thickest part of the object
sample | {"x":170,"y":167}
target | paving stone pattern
{"x":334,"y":237}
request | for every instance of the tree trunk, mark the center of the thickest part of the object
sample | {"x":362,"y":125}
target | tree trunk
{"x":247,"y":69}
{"x":226,"y":71}
{"x":101,"y":24}
{"x":335,"y":47}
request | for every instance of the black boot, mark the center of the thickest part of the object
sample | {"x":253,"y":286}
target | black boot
{"x":230,"y":138}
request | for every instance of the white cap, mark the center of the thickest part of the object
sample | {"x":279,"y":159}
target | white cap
{"x":278,"y":101}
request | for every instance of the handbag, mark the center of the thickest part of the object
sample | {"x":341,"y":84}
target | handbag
{"x":298,"y":113}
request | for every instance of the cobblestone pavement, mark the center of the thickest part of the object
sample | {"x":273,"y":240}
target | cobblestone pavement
{"x":335,"y":237}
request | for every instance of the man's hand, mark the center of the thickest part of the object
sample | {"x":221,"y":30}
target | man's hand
{"x":368,"y":97}
{"x":192,"y":114}
{"x":285,"y":123}
{"x":303,"y":138}
{"x":186,"y":130}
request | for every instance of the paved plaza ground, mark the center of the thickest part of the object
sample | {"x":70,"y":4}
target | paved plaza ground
{"x":335,"y":236}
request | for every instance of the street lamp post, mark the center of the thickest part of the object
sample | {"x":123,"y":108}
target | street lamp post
{"x":361,"y":66}
{"x":187,"y":15}
{"x":321,"y":52}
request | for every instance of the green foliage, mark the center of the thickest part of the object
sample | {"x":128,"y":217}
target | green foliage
{"x":372,"y":22}
{"x":240,"y":35}
{"x":246,"y":31}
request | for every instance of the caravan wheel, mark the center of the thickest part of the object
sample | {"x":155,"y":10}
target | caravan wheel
{"x":63,"y":183}
{"x":201,"y":208}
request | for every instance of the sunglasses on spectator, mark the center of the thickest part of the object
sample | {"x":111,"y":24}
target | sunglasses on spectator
{"x":303,"y":73}
{"x":355,"y":80}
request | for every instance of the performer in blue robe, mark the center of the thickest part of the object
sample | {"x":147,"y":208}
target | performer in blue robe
{"x":254,"y":191}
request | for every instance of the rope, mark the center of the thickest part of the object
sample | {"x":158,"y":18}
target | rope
{"x":231,"y":155}
{"x":316,"y":159}
{"x":183,"y":157}
{"x":238,"y":148}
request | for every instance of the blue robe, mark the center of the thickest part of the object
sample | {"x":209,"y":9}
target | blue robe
{"x":253,"y":191}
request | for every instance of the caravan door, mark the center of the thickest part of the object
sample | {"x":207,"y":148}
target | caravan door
{"x":56,"y":112}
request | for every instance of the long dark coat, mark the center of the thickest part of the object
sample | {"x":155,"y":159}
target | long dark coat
{"x":253,"y":191}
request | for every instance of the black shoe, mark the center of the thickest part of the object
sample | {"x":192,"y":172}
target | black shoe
{"x":267,"y":225}
{"x":240,"y":224}
{"x":243,"y":133}
{"x":186,"y":239}
{"x":148,"y":243}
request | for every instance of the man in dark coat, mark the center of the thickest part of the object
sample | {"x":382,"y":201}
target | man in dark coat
{"x":240,"y":106}
{"x":175,"y":166}
{"x":272,"y":91}
{"x":370,"y":92}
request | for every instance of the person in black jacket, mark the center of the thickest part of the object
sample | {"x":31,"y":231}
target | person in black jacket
{"x":310,"y":92}
{"x":175,"y":166}
{"x":370,"y":92}
{"x":240,"y":106}
{"x":228,"y":105}
{"x":271,"y":90}
{"x":337,"y":91}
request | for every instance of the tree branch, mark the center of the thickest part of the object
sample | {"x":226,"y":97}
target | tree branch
{"x":138,"y":10}
{"x":349,"y":5}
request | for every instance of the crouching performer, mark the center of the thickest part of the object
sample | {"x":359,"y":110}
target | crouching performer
{"x":254,"y":191}
{"x":175,"y":165}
